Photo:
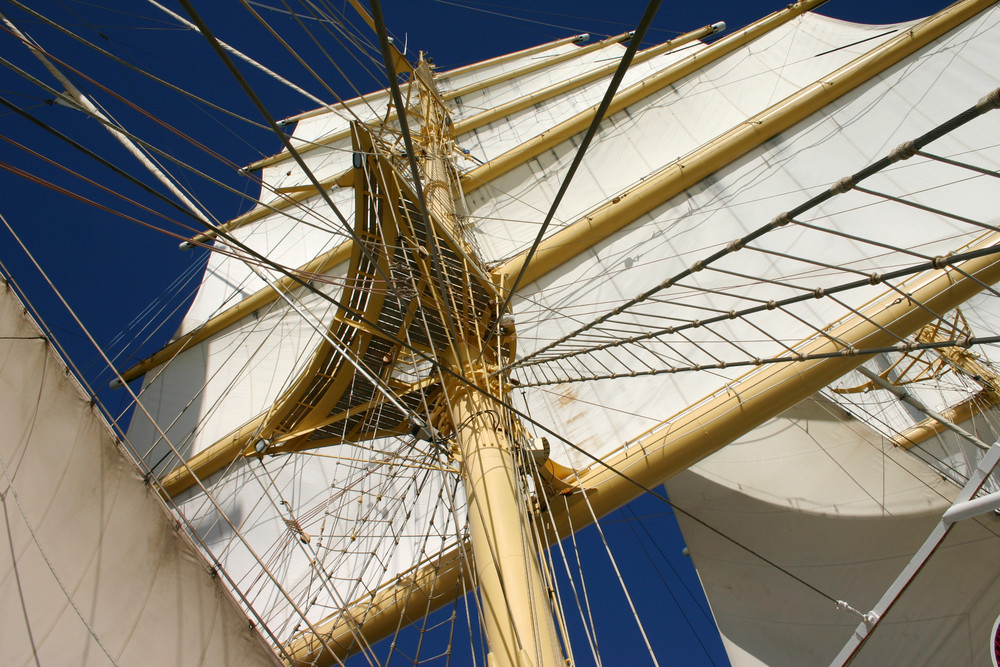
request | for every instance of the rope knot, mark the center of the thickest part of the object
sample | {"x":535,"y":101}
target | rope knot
{"x":904,"y":151}
{"x":843,"y":185}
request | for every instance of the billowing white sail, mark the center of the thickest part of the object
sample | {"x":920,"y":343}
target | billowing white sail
{"x":93,"y":572}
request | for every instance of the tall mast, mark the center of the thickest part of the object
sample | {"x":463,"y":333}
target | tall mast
{"x":515,"y":604}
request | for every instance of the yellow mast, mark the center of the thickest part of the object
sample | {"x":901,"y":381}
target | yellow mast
{"x":515,"y":605}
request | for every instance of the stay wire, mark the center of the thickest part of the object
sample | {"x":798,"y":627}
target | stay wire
{"x":659,"y":573}
{"x":291,"y":50}
{"x":166,"y":155}
{"x":137,"y":69}
{"x":604,"y":464}
{"x":437,"y":263}
{"x":188,"y":213}
{"x":187,"y":4}
{"x":148,"y":416}
{"x":352,"y":48}
{"x":874,"y":278}
{"x":233,"y":241}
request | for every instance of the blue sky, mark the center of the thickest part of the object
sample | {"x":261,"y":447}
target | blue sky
{"x":110,"y":269}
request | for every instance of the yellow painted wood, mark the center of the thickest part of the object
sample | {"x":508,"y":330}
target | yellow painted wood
{"x":399,"y":63}
{"x":756,"y":397}
{"x":344,"y":179}
{"x":415,"y":593}
{"x":334,"y":137}
{"x":508,"y":57}
{"x":685,"y":439}
{"x":956,"y":414}
{"x":220,"y":454}
{"x":212,"y":459}
{"x":275,"y":419}
{"x":531,"y":68}
{"x":382,"y":96}
{"x":517,"y":613}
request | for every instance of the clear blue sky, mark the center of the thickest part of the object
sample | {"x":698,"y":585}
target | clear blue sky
{"x":110,"y":268}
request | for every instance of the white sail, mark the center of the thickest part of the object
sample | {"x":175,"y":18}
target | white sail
{"x":828,"y":500}
{"x":733,"y":202}
{"x":93,"y":572}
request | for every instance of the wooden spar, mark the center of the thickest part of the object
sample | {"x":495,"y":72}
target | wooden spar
{"x":399,"y":63}
{"x":452,"y":94}
{"x":633,"y":94}
{"x":581,"y":235}
{"x":758,"y":397}
{"x":679,"y":442}
{"x":681,"y":174}
{"x":537,"y":97}
{"x":956,"y":414}
{"x":965,"y":361}
{"x":461,"y":126}
{"x":415,"y":593}
{"x":516,"y":55}
{"x":211,"y":460}
{"x":694,"y":166}
{"x":312,"y":396}
{"x":259,"y":299}
{"x":516,"y":609}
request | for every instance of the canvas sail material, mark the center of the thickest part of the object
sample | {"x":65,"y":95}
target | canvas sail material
{"x":93,"y":571}
{"x":847,"y":521}
{"x":848,"y":131}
